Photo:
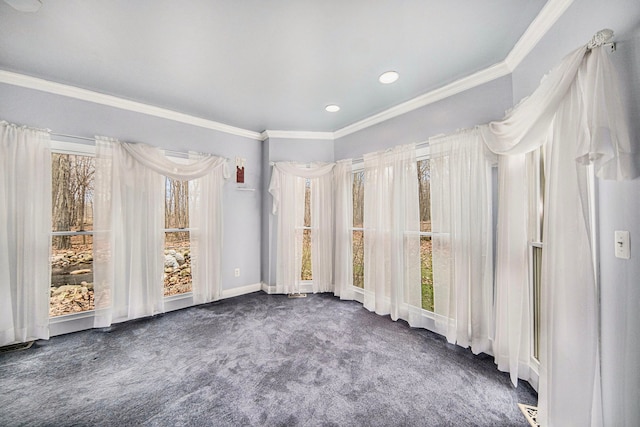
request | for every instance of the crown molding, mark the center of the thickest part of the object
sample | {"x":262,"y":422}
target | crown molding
{"x":549,"y":15}
{"x":293,"y":134}
{"x":488,"y":74}
{"x":42,"y":85}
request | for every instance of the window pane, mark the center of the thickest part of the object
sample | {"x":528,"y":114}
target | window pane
{"x":71,"y":275}
{"x":358,"y":199}
{"x":307,"y":203}
{"x":71,"y":194}
{"x":307,"y":273}
{"x":358,"y":259}
{"x":176,"y":204}
{"x":177,"y":263}
{"x":426,"y":267}
{"x":537,"y":280}
{"x":424,"y":188}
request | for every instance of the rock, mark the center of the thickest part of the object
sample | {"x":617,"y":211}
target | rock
{"x":185,"y":272}
{"x":82,"y":271}
{"x":170,"y":261}
{"x":173,"y":279}
{"x":178,"y":256}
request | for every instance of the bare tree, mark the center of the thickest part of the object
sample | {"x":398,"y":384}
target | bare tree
{"x":424,"y":188}
{"x":61,"y":198}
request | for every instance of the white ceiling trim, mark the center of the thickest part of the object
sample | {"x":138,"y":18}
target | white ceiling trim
{"x":124,"y":104}
{"x":542,"y":23}
{"x":488,"y":74}
{"x":549,"y":14}
{"x":288,"y":134}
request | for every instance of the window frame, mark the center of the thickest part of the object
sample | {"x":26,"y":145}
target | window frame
{"x":72,"y":149}
{"x":357,"y":167}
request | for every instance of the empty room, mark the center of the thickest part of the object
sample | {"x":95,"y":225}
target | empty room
{"x":319,"y":213}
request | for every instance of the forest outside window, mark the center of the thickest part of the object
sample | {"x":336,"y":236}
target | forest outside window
{"x":71,"y":288}
{"x":177,"y":243}
{"x":357,"y":233}
{"x":426,"y":234}
{"x":307,"y":268}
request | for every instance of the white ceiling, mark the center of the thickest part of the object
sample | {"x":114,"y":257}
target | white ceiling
{"x":258,"y":64}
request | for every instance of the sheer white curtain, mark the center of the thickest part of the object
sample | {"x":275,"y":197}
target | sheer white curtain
{"x":577,"y":111}
{"x":287,"y":187}
{"x":462,"y":240}
{"x":511,"y":345}
{"x":25,"y":233}
{"x":391,"y":234}
{"x":129,"y":228}
{"x":343,"y":260}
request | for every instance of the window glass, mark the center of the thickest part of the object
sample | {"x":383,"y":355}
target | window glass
{"x":426,"y":252}
{"x":177,"y":243}
{"x":72,"y":188}
{"x":358,"y":232}
{"x":307,"y":268}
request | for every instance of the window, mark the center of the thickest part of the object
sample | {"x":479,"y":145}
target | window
{"x":307,"y":270}
{"x":72,"y":233}
{"x":537,"y":159}
{"x":357,"y":236}
{"x":426,"y":234}
{"x":177,"y":243}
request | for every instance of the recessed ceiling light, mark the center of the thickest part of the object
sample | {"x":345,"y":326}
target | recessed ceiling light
{"x":388,"y":77}
{"x":24,"y":5}
{"x":332,"y":108}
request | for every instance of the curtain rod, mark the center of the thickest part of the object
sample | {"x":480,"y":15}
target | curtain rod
{"x":64,"y":135}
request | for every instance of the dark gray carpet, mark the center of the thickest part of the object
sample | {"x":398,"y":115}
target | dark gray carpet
{"x":257,"y":360}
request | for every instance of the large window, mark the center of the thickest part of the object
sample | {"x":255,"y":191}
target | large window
{"x":537,"y":159}
{"x":177,"y":243}
{"x":357,"y":233}
{"x":307,"y":268}
{"x":426,"y":234}
{"x":72,"y":234}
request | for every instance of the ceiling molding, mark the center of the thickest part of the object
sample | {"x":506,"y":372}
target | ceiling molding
{"x":548,"y":16}
{"x":124,"y":104}
{"x":293,"y":134}
{"x":488,"y":74}
{"x":542,"y":23}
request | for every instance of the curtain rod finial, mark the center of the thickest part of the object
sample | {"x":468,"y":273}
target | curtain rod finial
{"x":600,"y":38}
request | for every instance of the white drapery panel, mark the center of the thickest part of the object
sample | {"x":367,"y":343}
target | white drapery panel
{"x":343,"y":261}
{"x":25,"y":233}
{"x":391,"y":234}
{"x":511,"y":346}
{"x":129,"y":228}
{"x":577,"y":111}
{"x":462,"y":239}
{"x":287,"y":187}
{"x":205,"y":218}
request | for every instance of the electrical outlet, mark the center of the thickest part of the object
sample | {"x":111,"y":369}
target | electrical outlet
{"x":236,"y":272}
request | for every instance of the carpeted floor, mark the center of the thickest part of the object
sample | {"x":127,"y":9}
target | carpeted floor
{"x":257,"y":360}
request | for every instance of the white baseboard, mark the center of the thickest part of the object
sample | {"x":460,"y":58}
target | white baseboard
{"x":269,"y":289}
{"x":242,"y":290}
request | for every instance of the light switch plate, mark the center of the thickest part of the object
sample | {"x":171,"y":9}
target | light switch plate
{"x":622,"y":249}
